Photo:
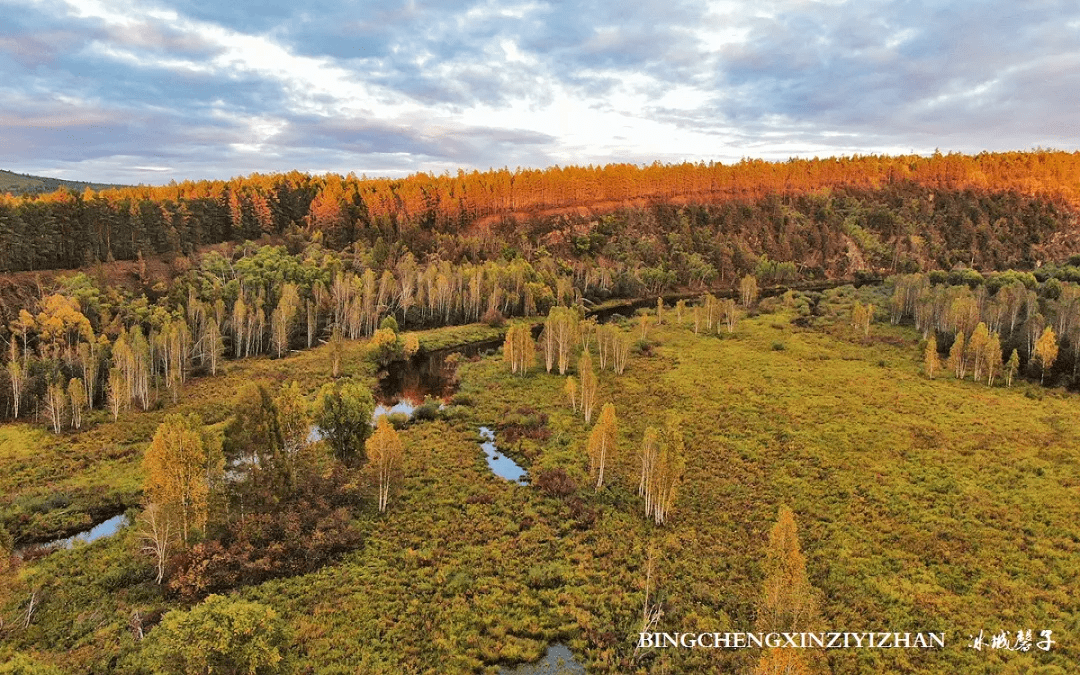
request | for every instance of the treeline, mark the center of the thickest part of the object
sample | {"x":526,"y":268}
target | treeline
{"x":996,"y":325}
{"x":82,"y":347}
{"x":473,"y":214}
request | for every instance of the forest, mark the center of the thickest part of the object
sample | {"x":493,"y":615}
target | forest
{"x":813,"y":395}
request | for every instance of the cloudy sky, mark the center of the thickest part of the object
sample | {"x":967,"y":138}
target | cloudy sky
{"x":150,"y":91}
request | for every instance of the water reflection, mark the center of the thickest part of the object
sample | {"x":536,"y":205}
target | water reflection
{"x":103,"y":529}
{"x":500,"y":464}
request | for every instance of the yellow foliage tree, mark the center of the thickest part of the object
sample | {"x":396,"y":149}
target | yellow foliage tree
{"x":602,"y":443}
{"x":384,"y":451}
{"x":957,"y":360}
{"x":337,"y":348}
{"x":748,"y":290}
{"x":588,"y":386}
{"x":778,"y":661}
{"x":412,"y":345}
{"x":788,"y":602}
{"x":179,"y":465}
{"x":931,"y":362}
{"x":976,"y":350}
{"x":572,"y":392}
{"x":1046,"y":351}
{"x":662,"y":466}
{"x":992,"y":358}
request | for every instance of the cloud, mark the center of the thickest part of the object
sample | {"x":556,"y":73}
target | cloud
{"x":119,"y":90}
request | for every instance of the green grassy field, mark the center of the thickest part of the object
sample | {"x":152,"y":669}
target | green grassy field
{"x":922,"y":505}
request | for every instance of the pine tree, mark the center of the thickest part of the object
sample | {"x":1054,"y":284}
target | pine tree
{"x":788,"y":602}
{"x":602,"y":443}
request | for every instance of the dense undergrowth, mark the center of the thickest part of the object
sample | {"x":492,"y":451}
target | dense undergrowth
{"x":923,"y":505}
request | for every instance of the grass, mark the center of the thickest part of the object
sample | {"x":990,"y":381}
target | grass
{"x":97,"y":471}
{"x":922,"y":505}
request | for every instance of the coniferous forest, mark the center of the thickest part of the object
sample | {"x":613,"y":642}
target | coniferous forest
{"x":321,"y":424}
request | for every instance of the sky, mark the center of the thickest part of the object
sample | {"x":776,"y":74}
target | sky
{"x":148,"y":92}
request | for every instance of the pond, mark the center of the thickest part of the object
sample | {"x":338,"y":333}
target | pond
{"x":558,"y":660}
{"x":405,"y":385}
{"x":103,"y":529}
{"x":500,"y":464}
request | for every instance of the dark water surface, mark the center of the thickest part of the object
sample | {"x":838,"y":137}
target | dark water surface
{"x":558,"y":660}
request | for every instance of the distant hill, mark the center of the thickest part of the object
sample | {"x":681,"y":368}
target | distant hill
{"x":18,"y":183}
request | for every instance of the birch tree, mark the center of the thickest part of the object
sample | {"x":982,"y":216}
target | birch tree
{"x":931,"y":362}
{"x":588,"y":386}
{"x":976,"y":350}
{"x":337,"y":349}
{"x":77,"y":396}
{"x":665,"y":473}
{"x":571,"y":390}
{"x":384,"y":452}
{"x":16,"y":374}
{"x":748,"y":290}
{"x":957,"y":361}
{"x":158,"y":533}
{"x":602,"y":443}
{"x":179,"y":464}
{"x":56,"y":404}
{"x":1046,"y":351}
{"x":650,"y":455}
{"x":992,"y":359}
{"x":1011,"y":368}
{"x":115,"y":393}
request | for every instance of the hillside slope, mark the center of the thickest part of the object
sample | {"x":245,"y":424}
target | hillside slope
{"x":20,"y":183}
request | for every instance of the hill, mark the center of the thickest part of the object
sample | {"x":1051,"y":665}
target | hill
{"x":20,"y":183}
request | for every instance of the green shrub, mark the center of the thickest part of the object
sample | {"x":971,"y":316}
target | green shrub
{"x":219,"y":635}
